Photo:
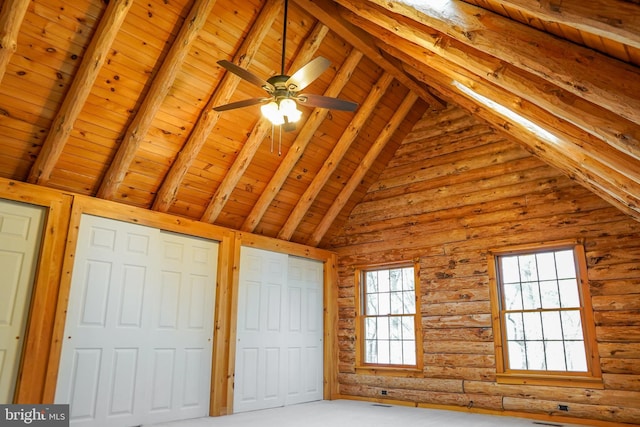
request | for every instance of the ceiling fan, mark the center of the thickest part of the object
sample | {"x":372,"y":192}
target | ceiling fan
{"x":280,"y":106}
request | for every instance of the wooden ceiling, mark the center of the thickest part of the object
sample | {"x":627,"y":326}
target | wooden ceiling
{"x":114,"y":99}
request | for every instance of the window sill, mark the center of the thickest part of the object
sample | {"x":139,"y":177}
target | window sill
{"x":550,"y":379}
{"x":407,"y":371}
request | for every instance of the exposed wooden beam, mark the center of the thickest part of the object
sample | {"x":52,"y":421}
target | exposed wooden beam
{"x":208,"y":118}
{"x":137,"y":130}
{"x":74,"y":100}
{"x":327,"y":12}
{"x":595,"y":77}
{"x":329,"y":166}
{"x":297,"y":148}
{"x":362,"y":169}
{"x":619,"y":132}
{"x":11,"y":16}
{"x":260,"y":130}
{"x":613,"y":19}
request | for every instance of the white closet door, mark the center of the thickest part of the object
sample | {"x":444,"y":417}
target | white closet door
{"x":139,"y":326}
{"x":20,"y":231}
{"x":304,"y":338}
{"x":279,"y":345}
{"x":259,"y":375}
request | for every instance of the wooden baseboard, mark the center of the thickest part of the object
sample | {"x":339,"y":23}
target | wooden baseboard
{"x":539,"y":417}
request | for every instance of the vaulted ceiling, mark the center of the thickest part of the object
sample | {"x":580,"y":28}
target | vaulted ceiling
{"x":115,"y":99}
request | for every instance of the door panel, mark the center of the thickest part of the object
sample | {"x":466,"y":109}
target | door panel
{"x":139,"y":326}
{"x":305,"y":332}
{"x":279,"y":335}
{"x":259,"y":365}
{"x":20,"y":233}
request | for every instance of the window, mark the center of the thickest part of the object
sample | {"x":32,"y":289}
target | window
{"x":543,"y":324}
{"x":388,"y":323}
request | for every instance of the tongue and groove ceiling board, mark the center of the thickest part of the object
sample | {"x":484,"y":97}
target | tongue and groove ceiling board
{"x":114,"y":99}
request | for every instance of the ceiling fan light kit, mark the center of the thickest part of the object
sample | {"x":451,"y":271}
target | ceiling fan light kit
{"x":281,"y":106}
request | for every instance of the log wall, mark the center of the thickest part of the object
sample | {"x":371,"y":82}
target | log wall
{"x":454,"y":190}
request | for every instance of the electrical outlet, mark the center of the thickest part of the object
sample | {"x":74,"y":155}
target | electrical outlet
{"x":383,"y":392}
{"x":563,"y":407}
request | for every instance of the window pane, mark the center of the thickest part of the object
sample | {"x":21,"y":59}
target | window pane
{"x":395,"y":280}
{"x":512,"y":296}
{"x":397,"y":305}
{"x":371,"y":351}
{"x":408,"y":279}
{"x":546,"y":266}
{"x":395,"y":353}
{"x":532,"y":326}
{"x":371,"y":278}
{"x":409,"y":302}
{"x":409,"y":352}
{"x":384,"y":303}
{"x":383,"y":328}
{"x":536,"y":356}
{"x":509,"y":269}
{"x":565,"y":264}
{"x":530,"y":295}
{"x":383,"y":281}
{"x":395,"y":331}
{"x":372,"y":304}
{"x":408,"y":329}
{"x":549,"y":294}
{"x":517,"y":355}
{"x":551,"y":325}
{"x":515,"y":326}
{"x":571,"y":325}
{"x":528,"y":269}
{"x":383,"y":351}
{"x":576,"y":358}
{"x":555,"y":356}
{"x":569,"y":296}
{"x":371,"y":328}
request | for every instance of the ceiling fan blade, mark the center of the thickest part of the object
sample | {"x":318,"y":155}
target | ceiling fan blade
{"x":325,"y":102}
{"x":242,"y":104}
{"x":308,"y":73}
{"x":246,"y":75}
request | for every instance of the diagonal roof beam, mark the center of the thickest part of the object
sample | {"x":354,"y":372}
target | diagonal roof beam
{"x":260,"y":130}
{"x":208,"y":118}
{"x":442,"y":52}
{"x":362,"y":169}
{"x":137,"y":130}
{"x":302,"y":140}
{"x":327,"y":12}
{"x":11,"y":15}
{"x":595,"y":77}
{"x":612,"y":20}
{"x":74,"y":100}
{"x":329,"y":166}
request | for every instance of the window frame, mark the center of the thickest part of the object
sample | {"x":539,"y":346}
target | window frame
{"x":367,"y":367}
{"x":593,"y":376}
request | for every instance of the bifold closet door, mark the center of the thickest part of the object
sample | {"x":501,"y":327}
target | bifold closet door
{"x":20,"y":234}
{"x":139,"y":328}
{"x":279,"y":331}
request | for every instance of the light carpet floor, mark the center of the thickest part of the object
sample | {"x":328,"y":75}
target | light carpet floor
{"x":347,"y":413}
